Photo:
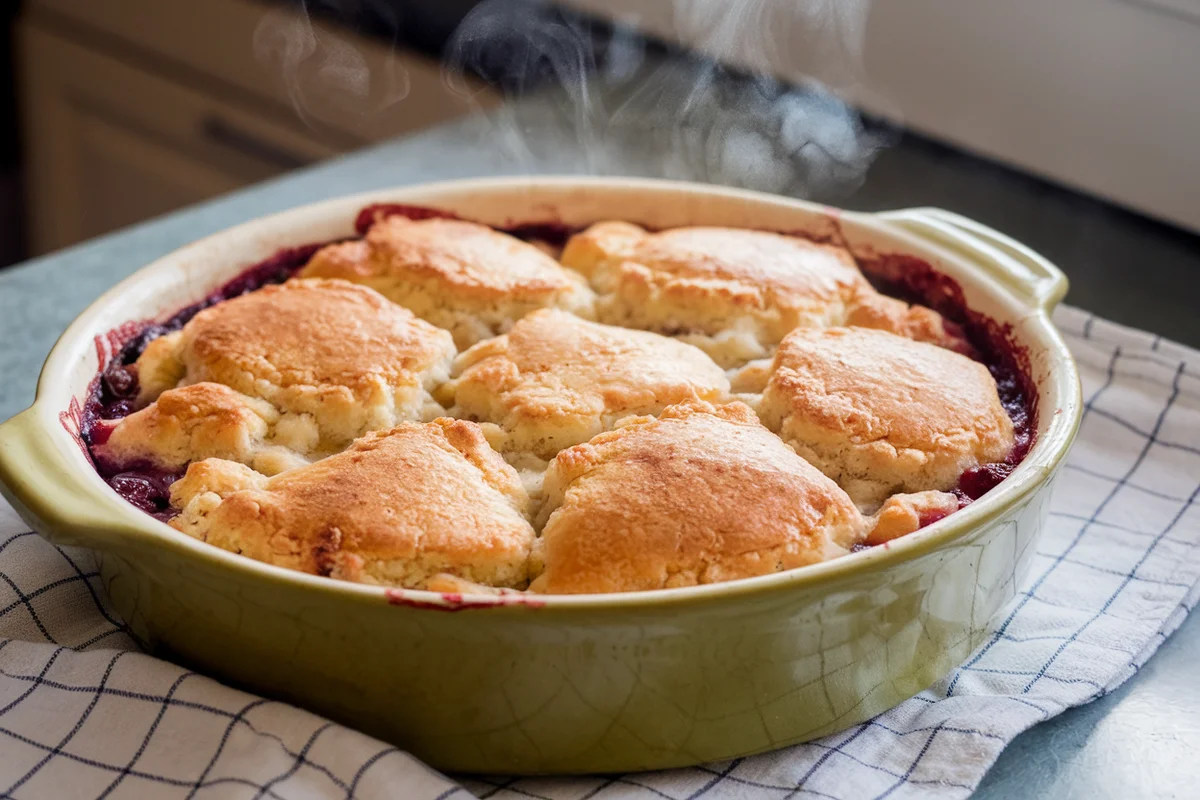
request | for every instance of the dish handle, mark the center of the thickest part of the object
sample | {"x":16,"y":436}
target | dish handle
{"x":49,"y":492}
{"x":1020,"y":269}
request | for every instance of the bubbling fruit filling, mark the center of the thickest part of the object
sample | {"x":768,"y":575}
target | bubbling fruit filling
{"x":535,"y":399}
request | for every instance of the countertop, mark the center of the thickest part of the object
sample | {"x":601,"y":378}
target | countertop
{"x":1139,"y":741}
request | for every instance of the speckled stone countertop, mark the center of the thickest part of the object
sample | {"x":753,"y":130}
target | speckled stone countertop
{"x":1138,"y":742}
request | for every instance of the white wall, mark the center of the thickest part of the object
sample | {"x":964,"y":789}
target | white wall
{"x":1102,"y":95}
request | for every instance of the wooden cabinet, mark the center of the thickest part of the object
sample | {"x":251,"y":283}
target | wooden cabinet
{"x":110,"y":145}
{"x":123,"y":121}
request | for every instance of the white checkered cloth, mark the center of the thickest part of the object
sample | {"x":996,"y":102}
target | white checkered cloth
{"x":83,"y":714}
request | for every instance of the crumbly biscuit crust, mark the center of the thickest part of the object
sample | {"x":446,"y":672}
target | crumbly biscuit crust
{"x":700,"y":494}
{"x":882,"y":414}
{"x":467,"y":278}
{"x":745,"y":404}
{"x":556,"y":380}
{"x":396,"y":508}
{"x":331,"y":359}
{"x":734,"y":292}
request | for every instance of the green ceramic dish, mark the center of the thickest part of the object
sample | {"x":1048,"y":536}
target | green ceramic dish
{"x":566,"y":684}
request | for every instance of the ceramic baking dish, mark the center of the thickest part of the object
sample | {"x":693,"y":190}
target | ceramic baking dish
{"x":560,"y":684}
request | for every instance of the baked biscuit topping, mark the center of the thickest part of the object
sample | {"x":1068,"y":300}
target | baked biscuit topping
{"x":203,"y":420}
{"x":396,"y":508}
{"x":735,"y":293}
{"x":467,"y":278}
{"x":700,"y":494}
{"x":334,"y":359}
{"x":556,"y":380}
{"x":882,"y":414}
{"x":327,"y":426}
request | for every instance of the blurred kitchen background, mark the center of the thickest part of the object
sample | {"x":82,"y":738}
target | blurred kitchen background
{"x":1071,"y":125}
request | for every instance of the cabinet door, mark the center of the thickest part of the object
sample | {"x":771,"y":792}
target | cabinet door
{"x":109,"y":144}
{"x":124,"y":177}
{"x":214,"y":38}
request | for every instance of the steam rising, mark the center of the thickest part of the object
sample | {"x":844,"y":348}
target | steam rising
{"x":633,"y":109}
{"x":586,"y":97}
{"x":324,"y":74}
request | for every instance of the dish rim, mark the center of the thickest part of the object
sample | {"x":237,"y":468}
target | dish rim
{"x":111,"y":523}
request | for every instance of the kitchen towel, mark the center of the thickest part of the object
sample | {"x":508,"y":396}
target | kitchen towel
{"x":84,"y":714}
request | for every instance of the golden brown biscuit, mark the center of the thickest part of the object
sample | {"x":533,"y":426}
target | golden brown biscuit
{"x":556,"y":380}
{"x":882,"y":414}
{"x":871,"y":309}
{"x":335,"y":359}
{"x":699,"y":495}
{"x":468,"y":278}
{"x":397,"y":508}
{"x":216,"y":478}
{"x":203,"y":420}
{"x":903,"y":514}
{"x":733,"y":292}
